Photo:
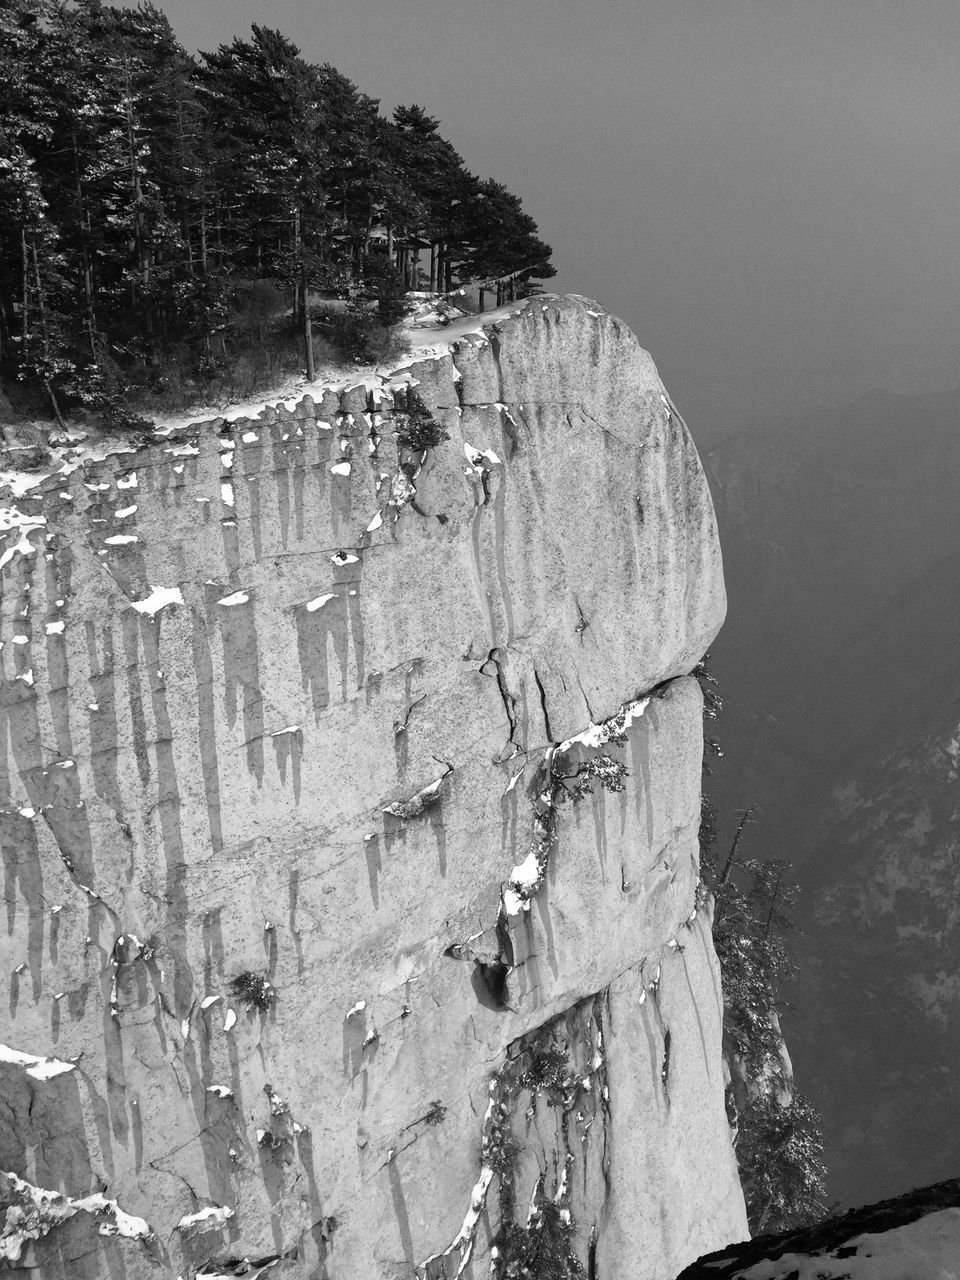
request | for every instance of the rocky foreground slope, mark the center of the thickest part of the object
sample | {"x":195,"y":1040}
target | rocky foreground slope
{"x":915,"y":1236}
{"x":313,"y":967}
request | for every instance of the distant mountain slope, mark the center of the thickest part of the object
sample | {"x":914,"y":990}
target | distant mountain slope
{"x":838,"y":663}
{"x":880,"y":979}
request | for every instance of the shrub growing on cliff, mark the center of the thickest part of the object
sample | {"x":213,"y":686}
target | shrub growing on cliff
{"x":548,"y":1072}
{"x":254,"y":990}
{"x":780,"y":1156}
{"x":779,"y":1143}
{"x":609,"y":773}
{"x":416,"y":429}
{"x":540,"y":1250}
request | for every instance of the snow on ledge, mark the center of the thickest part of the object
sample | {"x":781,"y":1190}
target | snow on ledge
{"x":210,"y":1219}
{"x":235,"y":598}
{"x":596,"y":735}
{"x":158,"y":599}
{"x":34,"y":1211}
{"x":38,"y":1068}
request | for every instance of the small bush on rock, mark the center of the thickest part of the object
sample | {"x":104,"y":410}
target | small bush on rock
{"x":416,"y":429}
{"x":254,"y":990}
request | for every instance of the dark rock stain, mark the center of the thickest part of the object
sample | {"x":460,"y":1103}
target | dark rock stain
{"x":206,"y":719}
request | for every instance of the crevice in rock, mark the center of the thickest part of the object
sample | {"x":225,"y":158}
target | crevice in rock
{"x":400,"y":726}
{"x":665,"y":1064}
{"x":246,"y":1267}
{"x":543,"y":704}
{"x":493,"y":667}
{"x":493,"y":336}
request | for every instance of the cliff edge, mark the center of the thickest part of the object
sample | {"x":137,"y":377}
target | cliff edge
{"x":351,"y":798}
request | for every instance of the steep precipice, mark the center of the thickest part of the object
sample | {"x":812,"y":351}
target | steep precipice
{"x":309,"y":967}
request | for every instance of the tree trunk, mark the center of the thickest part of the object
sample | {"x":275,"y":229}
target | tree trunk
{"x":45,"y":332}
{"x":728,"y":866}
{"x":433,"y":266}
{"x":307,"y":329}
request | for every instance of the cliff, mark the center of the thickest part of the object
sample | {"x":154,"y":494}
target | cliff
{"x":350,"y":833}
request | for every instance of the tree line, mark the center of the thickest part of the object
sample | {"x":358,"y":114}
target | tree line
{"x":145,"y":194}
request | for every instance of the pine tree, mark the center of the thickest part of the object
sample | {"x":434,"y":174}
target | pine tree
{"x":153,"y":205}
{"x":265,"y":108}
{"x":34,"y":342}
{"x":504,"y":242}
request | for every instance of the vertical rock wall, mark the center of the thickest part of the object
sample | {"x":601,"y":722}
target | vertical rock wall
{"x":313,"y":968}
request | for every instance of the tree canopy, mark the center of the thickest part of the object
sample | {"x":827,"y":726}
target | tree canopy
{"x":143,"y":191}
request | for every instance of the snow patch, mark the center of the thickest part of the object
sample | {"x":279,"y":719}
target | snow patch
{"x":927,"y":1247}
{"x":210,"y":1219}
{"x":38,"y":1068}
{"x":158,"y":599}
{"x":313,"y":605}
{"x":12,"y":518}
{"x":476,"y":457}
{"x":596,"y":735}
{"x":33,"y":1211}
{"x":238,"y":597}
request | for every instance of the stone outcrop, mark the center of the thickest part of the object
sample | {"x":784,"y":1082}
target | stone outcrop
{"x":916,"y":1235}
{"x":315,"y":965}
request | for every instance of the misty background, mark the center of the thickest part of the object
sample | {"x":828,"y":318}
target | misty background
{"x":767,"y":193}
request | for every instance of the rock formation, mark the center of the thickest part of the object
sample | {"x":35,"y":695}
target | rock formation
{"x":915,"y":1236}
{"x":351,"y":795}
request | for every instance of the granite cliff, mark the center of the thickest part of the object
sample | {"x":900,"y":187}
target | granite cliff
{"x":351,"y":794}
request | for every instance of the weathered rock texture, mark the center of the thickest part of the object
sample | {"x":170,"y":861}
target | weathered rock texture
{"x":228,"y":786}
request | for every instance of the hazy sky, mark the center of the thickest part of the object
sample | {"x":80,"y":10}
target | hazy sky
{"x":767,"y":191}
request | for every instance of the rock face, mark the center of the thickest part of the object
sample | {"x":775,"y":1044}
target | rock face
{"x":314,"y":965}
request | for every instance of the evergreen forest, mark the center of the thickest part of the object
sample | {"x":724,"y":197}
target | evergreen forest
{"x":169,"y":221}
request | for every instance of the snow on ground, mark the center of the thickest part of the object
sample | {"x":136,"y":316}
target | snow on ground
{"x":927,"y":1249}
{"x":38,"y":1068}
{"x":432,"y":329}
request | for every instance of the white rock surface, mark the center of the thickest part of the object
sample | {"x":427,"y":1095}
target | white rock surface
{"x":330,"y":801}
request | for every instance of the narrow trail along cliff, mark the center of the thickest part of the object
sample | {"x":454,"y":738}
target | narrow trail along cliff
{"x":351,"y":795}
